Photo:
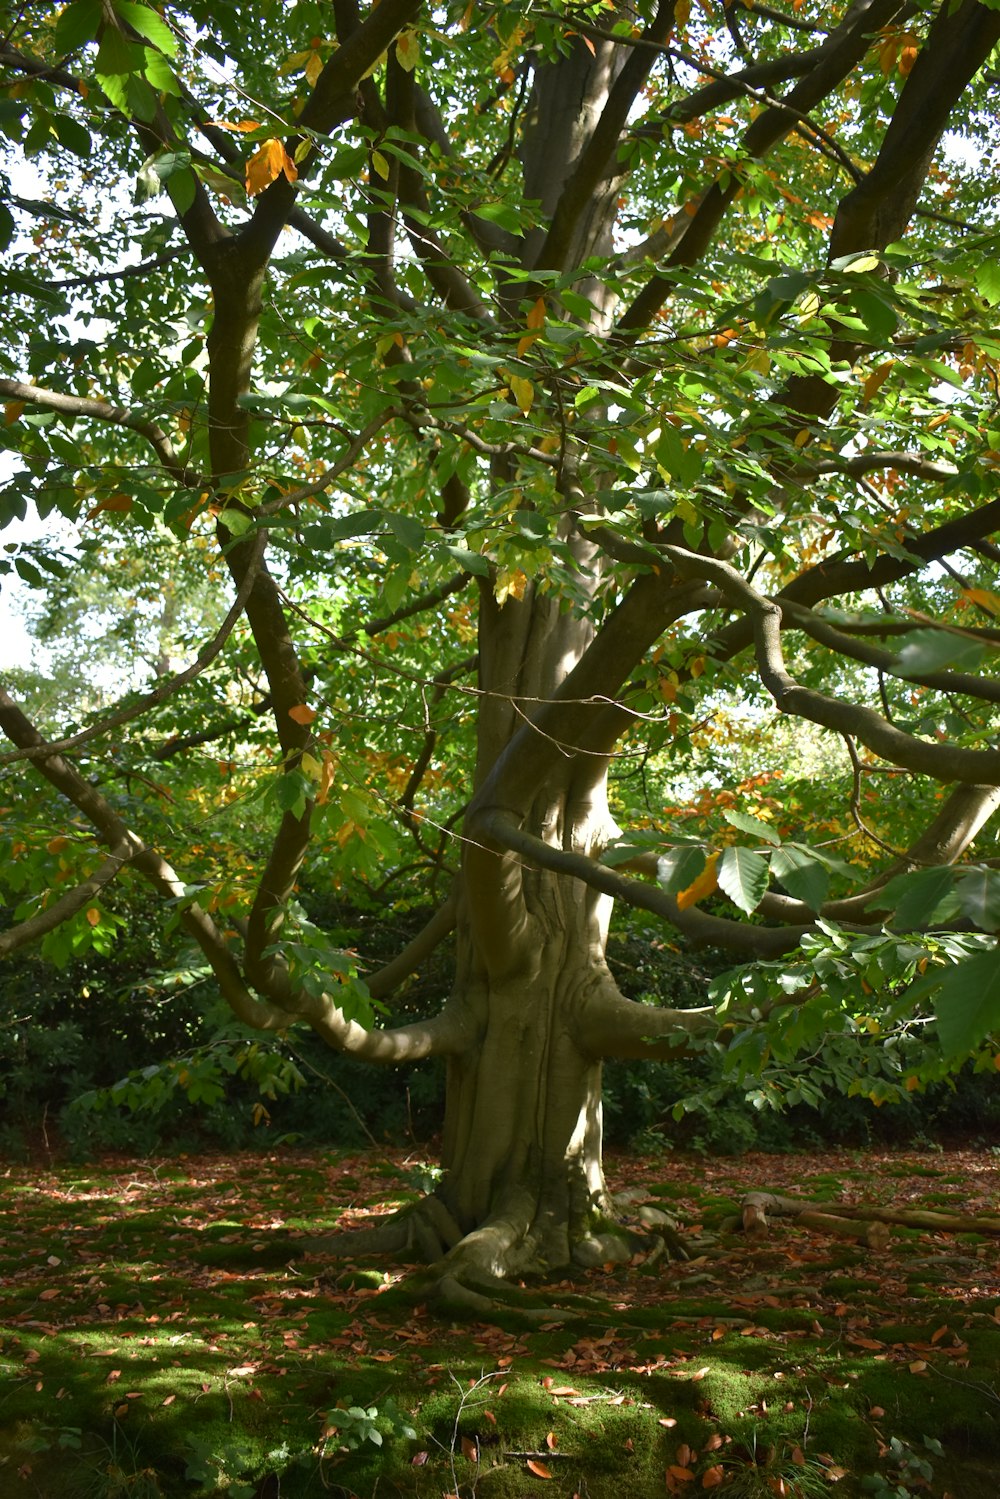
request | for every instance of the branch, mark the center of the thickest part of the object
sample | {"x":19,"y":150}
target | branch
{"x":941,"y":762}
{"x":118,"y":416}
{"x":67,"y":905}
{"x":700,"y":928}
{"x":166,"y":689}
{"x":440,"y":925}
{"x":795,"y":616}
{"x":114,"y":832}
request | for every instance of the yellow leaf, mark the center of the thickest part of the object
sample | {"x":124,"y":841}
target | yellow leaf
{"x":266,"y":164}
{"x":381,"y":165}
{"x":802,"y":437}
{"x":302,"y":713}
{"x":314,"y":67}
{"x":244,"y":127}
{"x":536,"y":317}
{"x":12,"y":411}
{"x":310,"y":766}
{"x":877,"y":378}
{"x":704,"y":885}
{"x":510,"y":584}
{"x":523,"y":392}
{"x":860,"y":263}
{"x":407,"y":50}
{"x":326,"y":777}
{"x":984,"y":598}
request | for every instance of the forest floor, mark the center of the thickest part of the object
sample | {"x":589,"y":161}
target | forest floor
{"x":161,"y":1336}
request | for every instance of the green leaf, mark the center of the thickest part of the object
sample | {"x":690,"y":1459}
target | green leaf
{"x":148,"y":24}
{"x":748,"y":824}
{"x":78,"y":23}
{"x":115,"y":56}
{"x":407,"y":531}
{"x":470,"y":562}
{"x":71,"y":134}
{"x":968,"y":1003}
{"x":928,"y":651}
{"x":334,"y":528}
{"x":878,"y":315}
{"x":978,"y":892}
{"x":680,"y":867}
{"x":988,"y":280}
{"x":803,"y":875}
{"x":743,"y":875}
{"x":921,"y":899}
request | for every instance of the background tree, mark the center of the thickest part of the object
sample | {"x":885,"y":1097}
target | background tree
{"x":542,"y":380}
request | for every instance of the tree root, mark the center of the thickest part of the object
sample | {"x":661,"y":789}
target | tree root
{"x":481,"y":1274}
{"x":854,"y":1220}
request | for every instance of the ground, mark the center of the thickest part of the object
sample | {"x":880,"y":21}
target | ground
{"x":163,"y":1336}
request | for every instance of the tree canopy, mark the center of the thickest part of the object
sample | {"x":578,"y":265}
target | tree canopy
{"x":544,"y":455}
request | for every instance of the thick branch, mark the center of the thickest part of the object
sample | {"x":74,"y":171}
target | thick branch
{"x":698,"y":926}
{"x":118,"y":416}
{"x":940,"y":761}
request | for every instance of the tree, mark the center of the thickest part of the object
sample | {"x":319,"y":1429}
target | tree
{"x":641,"y":351}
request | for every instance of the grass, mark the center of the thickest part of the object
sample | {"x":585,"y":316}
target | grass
{"x":161,"y":1338}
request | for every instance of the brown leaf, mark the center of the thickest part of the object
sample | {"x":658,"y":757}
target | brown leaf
{"x":121,"y":1411}
{"x":712,"y":1477}
{"x":50,"y":1293}
{"x":470,"y":1449}
{"x":539,"y":1469}
{"x":668,"y":1421}
{"x":114,"y":1376}
{"x":682,"y":1475}
{"x":684,"y":1456}
{"x":120,"y":502}
{"x":419,"y":1459}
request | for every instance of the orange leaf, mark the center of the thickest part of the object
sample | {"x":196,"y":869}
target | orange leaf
{"x":12,"y":410}
{"x":48,"y":1295}
{"x":470,"y":1449}
{"x":713,"y":1476}
{"x":536,"y":317}
{"x":918,"y":1366}
{"x":266,"y":164}
{"x":93,"y":915}
{"x":551,"y":1441}
{"x":56,"y":845}
{"x":122,"y":502}
{"x":696,"y":891}
{"x":682,"y":1475}
{"x":302,"y":713}
{"x":684,"y":1455}
{"x":539,"y":1469}
{"x":243,"y":126}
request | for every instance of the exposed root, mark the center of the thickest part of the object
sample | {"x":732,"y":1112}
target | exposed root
{"x":481,"y":1274}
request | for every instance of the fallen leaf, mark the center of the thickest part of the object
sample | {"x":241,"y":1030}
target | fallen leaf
{"x":52,"y":1292}
{"x":470,"y":1449}
{"x":712,"y":1477}
{"x":419,"y":1459}
{"x":539,"y":1469}
{"x":551,"y":1441}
